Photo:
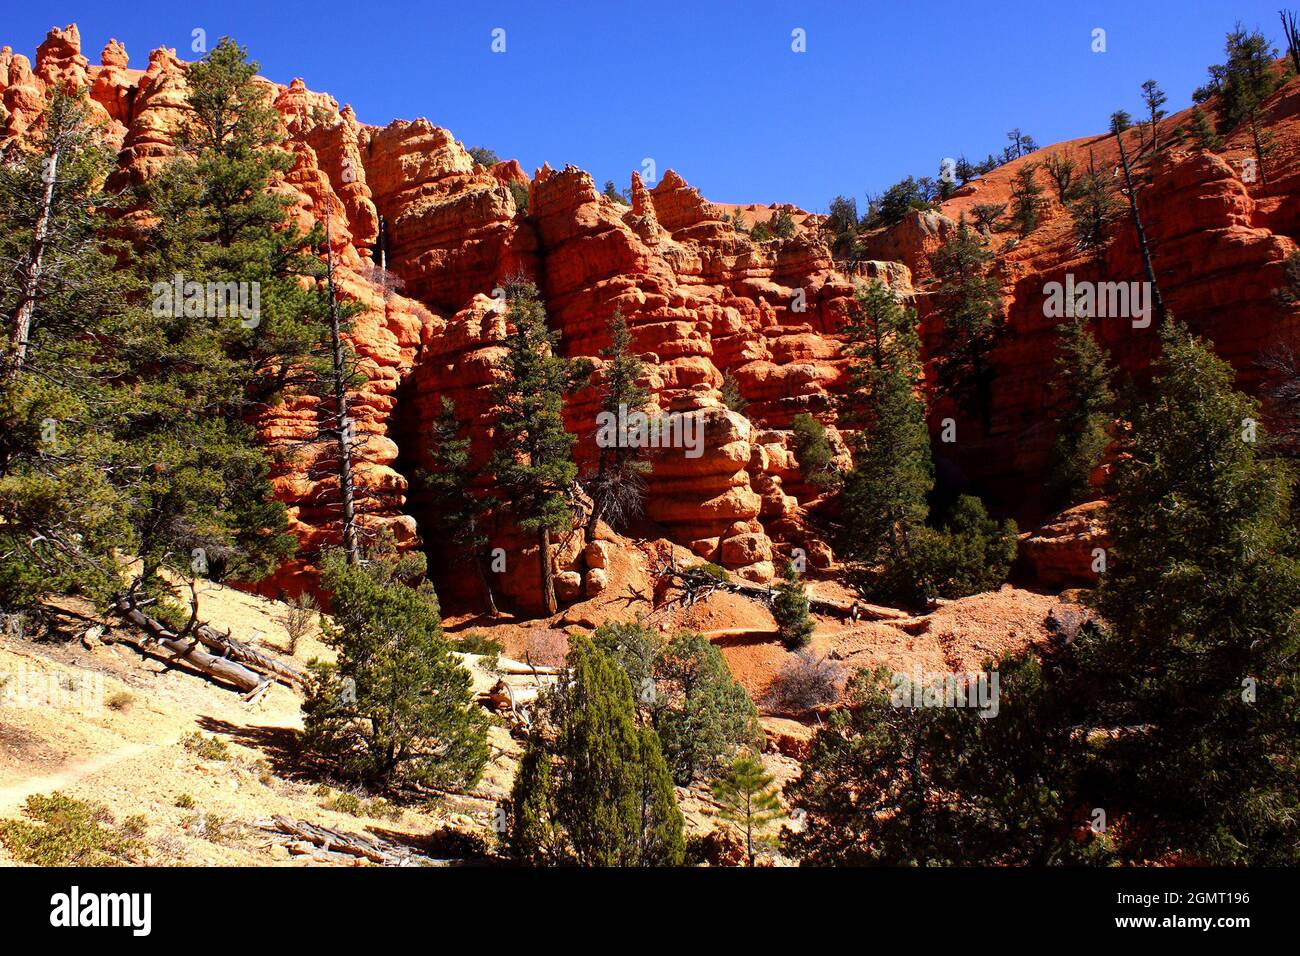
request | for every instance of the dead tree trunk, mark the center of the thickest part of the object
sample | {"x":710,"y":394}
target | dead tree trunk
{"x":1141,"y":232}
{"x":31,"y":271}
{"x":1291,"y":27}
{"x":187,"y":650}
{"x":544,"y":564}
{"x":342,"y":424}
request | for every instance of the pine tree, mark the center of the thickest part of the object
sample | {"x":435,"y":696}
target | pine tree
{"x":884,"y":497}
{"x":1197,"y":660}
{"x":1248,"y":77}
{"x":617,"y":486}
{"x":897,"y":778}
{"x":396,"y":706}
{"x":1062,"y":170}
{"x":63,"y":304}
{"x":1094,"y":209}
{"x":462,"y":512}
{"x":661,"y":830}
{"x":1026,"y":200}
{"x":731,"y":394}
{"x":201,"y":501}
{"x":748,"y":799}
{"x":987,"y":215}
{"x":614,"y":796}
{"x":684,"y":690}
{"x":790,"y":608}
{"x":1203,"y":133}
{"x":1083,"y":378}
{"x":813,"y":451}
{"x":533,"y":835}
{"x":1120,"y":121}
{"x":968,"y":299}
{"x":1154,"y":98}
{"x":533,"y":461}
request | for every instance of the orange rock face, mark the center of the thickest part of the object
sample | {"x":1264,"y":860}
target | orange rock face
{"x":424,"y":236}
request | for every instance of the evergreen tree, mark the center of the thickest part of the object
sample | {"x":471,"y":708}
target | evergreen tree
{"x":614,"y":796}
{"x":1203,"y":133}
{"x":813,"y":451}
{"x":1197,"y":662}
{"x":897,"y":778}
{"x":1094,"y":209}
{"x":987,"y":215}
{"x":685,"y":691}
{"x":63,"y":304}
{"x":617,"y":486}
{"x":533,"y":836}
{"x":968,"y":299}
{"x":1026,"y":200}
{"x":1083,"y":377}
{"x":884,"y":494}
{"x":731,"y":394}
{"x":396,"y":706}
{"x":661,"y":833}
{"x":611,"y":192}
{"x":1062,"y":170}
{"x":462,"y":513}
{"x":748,"y":799}
{"x":1247,"y":78}
{"x":841,"y":224}
{"x":533,"y":463}
{"x":782,"y":224}
{"x":790,"y":608}
{"x":1154,"y":98}
{"x":201,"y":500}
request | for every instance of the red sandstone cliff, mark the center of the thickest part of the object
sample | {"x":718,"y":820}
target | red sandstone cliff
{"x":700,"y":297}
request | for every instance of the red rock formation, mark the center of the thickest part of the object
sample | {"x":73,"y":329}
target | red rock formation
{"x":700,"y":298}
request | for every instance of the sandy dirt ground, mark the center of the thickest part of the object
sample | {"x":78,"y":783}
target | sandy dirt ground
{"x":101,"y":722}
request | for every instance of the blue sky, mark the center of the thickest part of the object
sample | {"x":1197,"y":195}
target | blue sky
{"x":710,"y":88}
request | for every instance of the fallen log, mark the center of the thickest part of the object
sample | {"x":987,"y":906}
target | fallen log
{"x":339,"y":841}
{"x":696,"y":583}
{"x":228,"y":648}
{"x":187,"y":650}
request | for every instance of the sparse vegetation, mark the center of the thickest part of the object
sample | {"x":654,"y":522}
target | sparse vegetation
{"x":63,"y":831}
{"x":209,"y":748}
{"x":805,"y":682}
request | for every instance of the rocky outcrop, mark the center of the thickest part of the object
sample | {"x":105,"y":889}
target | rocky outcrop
{"x":424,"y":238}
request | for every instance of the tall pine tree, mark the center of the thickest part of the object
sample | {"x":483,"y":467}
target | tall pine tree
{"x":533,"y":461}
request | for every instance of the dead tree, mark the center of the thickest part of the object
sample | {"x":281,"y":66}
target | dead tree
{"x":1291,"y":27}
{"x":1119,"y":123}
{"x":340,"y":423}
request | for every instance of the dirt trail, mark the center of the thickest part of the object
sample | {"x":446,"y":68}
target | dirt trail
{"x":13,"y":797}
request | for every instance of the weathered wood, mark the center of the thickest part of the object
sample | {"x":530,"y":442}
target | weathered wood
{"x":250,"y":657}
{"x":187,"y":650}
{"x":339,"y":841}
{"x":227,"y":647}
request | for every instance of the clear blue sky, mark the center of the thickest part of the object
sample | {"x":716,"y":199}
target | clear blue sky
{"x":710,"y":88}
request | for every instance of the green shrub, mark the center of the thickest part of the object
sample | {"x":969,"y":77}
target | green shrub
{"x":790,"y":608}
{"x":348,"y":803}
{"x":813,"y":451}
{"x":683,"y":688}
{"x":63,"y":831}
{"x":209,"y":748}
